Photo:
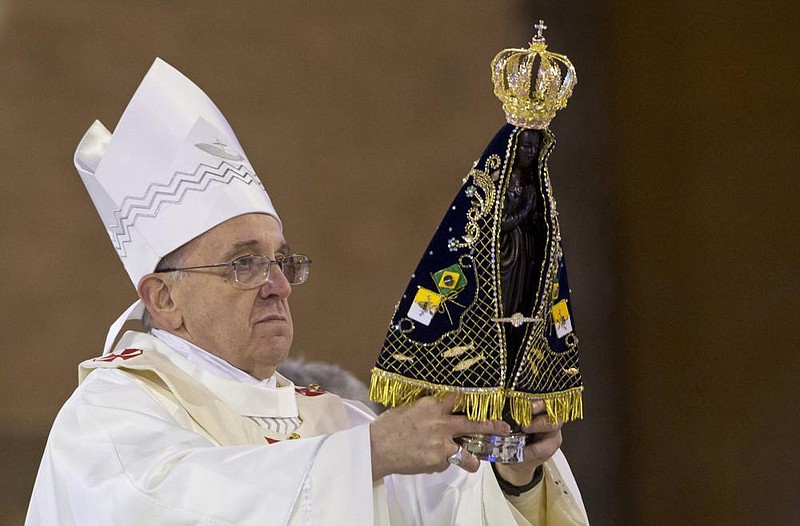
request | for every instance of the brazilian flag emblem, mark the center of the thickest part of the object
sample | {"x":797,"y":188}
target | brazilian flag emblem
{"x":450,"y":280}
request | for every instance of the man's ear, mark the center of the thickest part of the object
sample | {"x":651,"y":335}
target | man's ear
{"x":154,"y":290}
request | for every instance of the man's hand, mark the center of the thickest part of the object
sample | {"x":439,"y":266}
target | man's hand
{"x":419,"y":438}
{"x":544,"y":438}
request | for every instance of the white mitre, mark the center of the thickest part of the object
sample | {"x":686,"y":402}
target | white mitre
{"x":172,"y":170}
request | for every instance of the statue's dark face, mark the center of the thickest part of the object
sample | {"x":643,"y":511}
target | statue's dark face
{"x":527,"y":149}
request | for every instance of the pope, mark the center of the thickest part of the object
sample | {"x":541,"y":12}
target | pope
{"x":189,"y":422}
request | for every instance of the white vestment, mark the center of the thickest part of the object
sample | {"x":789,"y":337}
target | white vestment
{"x":150,"y":437}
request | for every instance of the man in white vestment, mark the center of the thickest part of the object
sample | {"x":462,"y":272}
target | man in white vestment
{"x":189,"y":423}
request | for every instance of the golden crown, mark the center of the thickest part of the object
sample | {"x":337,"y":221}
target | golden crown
{"x":532,"y":90}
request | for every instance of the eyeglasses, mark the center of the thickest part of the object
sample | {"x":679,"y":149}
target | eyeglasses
{"x":253,"y":271}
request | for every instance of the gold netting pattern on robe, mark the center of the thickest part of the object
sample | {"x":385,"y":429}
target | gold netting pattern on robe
{"x":470,"y":359}
{"x":478,"y":350}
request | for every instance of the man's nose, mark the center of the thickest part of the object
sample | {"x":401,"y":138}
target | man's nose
{"x":276,"y":284}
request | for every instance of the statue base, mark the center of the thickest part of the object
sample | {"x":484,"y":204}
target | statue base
{"x":506,"y":449}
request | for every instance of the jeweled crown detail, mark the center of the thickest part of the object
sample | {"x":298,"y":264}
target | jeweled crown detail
{"x":529,"y":82}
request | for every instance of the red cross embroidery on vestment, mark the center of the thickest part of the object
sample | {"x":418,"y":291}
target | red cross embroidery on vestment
{"x":312,"y":390}
{"x":125,"y":355}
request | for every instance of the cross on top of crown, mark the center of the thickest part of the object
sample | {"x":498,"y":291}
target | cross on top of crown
{"x":540,"y":27}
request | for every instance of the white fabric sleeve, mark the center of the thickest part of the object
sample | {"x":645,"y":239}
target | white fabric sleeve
{"x":117,"y":456}
{"x":457,"y":497}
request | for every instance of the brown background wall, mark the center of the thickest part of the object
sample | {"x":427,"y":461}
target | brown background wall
{"x":705,"y":156}
{"x":676,"y":173}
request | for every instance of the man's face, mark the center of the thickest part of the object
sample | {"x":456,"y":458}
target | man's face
{"x":251,"y":329}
